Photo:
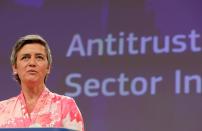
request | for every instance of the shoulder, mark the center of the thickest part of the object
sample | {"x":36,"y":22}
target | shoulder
{"x":63,"y":98}
{"x":7,"y":103}
{"x":65,"y":101}
{"x":70,"y":113}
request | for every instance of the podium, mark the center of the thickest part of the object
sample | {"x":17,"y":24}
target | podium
{"x":35,"y":129}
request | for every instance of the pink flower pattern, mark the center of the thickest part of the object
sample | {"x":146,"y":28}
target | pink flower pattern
{"x":51,"y":110}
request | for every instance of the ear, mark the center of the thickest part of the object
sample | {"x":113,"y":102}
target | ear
{"x":48,"y":69}
{"x":14,"y":69}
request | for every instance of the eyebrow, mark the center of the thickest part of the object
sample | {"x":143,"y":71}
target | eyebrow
{"x":40,"y":54}
{"x":36,"y":54}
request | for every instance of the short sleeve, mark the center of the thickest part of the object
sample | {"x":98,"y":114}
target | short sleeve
{"x":71,"y":115}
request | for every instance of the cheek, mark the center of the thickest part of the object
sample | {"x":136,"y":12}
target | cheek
{"x":44,"y":69}
{"x":20,"y":68}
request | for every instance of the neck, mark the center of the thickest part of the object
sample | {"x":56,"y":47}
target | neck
{"x":31,"y":94}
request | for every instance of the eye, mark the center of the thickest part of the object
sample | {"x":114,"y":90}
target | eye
{"x":24,"y":58}
{"x":39,"y":57}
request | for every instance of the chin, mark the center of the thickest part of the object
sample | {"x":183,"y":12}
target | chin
{"x":32,"y":80}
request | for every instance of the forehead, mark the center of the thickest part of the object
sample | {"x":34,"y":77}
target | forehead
{"x":32,"y":48}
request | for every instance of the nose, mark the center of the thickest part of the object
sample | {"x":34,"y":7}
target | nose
{"x":32,"y":61}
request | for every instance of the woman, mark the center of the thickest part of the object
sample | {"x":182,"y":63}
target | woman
{"x":36,"y":106}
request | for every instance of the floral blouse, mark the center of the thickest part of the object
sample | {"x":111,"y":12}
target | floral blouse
{"x":51,"y":110}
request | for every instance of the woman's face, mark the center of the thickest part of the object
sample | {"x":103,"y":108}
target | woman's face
{"x":32,"y":64}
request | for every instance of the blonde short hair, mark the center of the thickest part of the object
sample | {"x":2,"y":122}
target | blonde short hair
{"x":29,"y":39}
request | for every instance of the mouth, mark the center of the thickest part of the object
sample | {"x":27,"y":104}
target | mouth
{"x":32,"y":71}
